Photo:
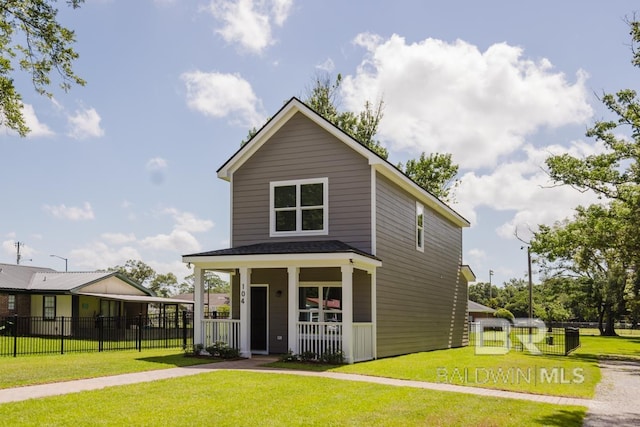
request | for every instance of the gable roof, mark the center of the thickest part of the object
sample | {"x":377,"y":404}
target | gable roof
{"x":475,"y":307}
{"x":384,"y":167}
{"x":27,"y":278}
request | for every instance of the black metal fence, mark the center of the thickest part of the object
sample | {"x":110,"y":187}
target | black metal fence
{"x":38,"y":335}
{"x":555,"y":341}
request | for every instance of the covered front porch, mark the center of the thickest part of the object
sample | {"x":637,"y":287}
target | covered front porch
{"x":310,"y":297}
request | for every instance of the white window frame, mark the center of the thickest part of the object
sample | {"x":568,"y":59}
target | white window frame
{"x":11,"y":302}
{"x":320,"y":311}
{"x":298,"y":208}
{"x":419,"y":229}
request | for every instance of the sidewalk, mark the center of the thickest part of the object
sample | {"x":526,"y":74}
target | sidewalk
{"x":255,"y":365}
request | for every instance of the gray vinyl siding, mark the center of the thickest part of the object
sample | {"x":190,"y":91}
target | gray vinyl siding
{"x":302,"y":150}
{"x":420,"y":295}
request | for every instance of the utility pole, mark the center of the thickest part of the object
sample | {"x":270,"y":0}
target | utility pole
{"x":530,"y":283}
{"x":490,"y":274}
{"x":18,"y":256}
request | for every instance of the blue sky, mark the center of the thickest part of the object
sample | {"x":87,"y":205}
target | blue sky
{"x":125,"y":166}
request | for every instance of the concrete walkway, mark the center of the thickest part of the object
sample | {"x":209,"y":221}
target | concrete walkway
{"x":255,"y":365}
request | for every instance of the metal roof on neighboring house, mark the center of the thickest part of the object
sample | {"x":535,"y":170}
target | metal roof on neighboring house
{"x":17,"y":277}
{"x":475,"y":307}
{"x":65,"y":281}
{"x":40,"y":279}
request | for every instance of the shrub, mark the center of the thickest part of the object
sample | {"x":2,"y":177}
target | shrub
{"x":290,"y":356}
{"x":308,"y":356}
{"x":335,"y":358}
{"x":503,"y":313}
{"x":222,"y":350}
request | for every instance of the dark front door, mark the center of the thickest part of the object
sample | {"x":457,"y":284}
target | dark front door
{"x":259,"y":319}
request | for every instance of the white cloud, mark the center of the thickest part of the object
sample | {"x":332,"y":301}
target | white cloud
{"x":187,"y":221}
{"x":249,"y":22}
{"x":476,"y":254}
{"x":37,"y":128}
{"x":222,"y":95}
{"x":118,"y":238}
{"x":99,"y":255}
{"x":72,"y":213}
{"x":85,"y":124}
{"x":451,"y":97}
{"x":157,"y":169}
{"x":524,"y":189}
{"x":327,"y":65}
{"x":177,"y":240}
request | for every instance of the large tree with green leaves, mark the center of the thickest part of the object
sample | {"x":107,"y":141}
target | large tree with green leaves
{"x":363,"y":126}
{"x":31,"y":36}
{"x":592,"y":247}
{"x":163,"y":285}
{"x":435,"y":173}
{"x":614,"y":175}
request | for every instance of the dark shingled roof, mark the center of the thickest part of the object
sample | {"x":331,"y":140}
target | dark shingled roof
{"x":306,"y":247}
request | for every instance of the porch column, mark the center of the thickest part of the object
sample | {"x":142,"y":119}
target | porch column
{"x":374,"y":314}
{"x":292,"y":308}
{"x":347,"y":312}
{"x":245,"y":312}
{"x":198,"y":331}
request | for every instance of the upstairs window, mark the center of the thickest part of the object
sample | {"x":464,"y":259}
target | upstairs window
{"x":299,"y":207}
{"x":11,"y":302}
{"x":419,"y":227}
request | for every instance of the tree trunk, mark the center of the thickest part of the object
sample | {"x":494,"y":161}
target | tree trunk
{"x":600,"y":320}
{"x":609,"y":329}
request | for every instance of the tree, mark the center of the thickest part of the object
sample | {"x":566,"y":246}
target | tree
{"x":436,"y":174}
{"x":163,"y":284}
{"x":42,"y":45}
{"x":590,"y":246}
{"x":363,"y":126}
{"x":212,"y":283}
{"x":615,"y":176}
{"x":136,"y":270}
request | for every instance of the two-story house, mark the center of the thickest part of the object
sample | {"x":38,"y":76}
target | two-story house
{"x":333,"y":249}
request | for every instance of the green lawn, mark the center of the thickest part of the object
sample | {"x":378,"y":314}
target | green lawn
{"x":29,"y":370}
{"x":242,"y":398}
{"x":575,"y":375}
{"x":53,"y":345}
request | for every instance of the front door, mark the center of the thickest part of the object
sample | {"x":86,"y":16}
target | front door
{"x":259,"y":320}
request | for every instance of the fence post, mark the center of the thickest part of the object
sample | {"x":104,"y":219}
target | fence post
{"x":184,"y":329}
{"x":100,"y":321}
{"x":62,"y":335}
{"x":14,"y":331}
{"x":139,"y":333}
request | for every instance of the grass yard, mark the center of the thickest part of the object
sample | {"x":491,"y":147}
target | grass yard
{"x":245,"y":398}
{"x":575,"y":375}
{"x":28,"y":345}
{"x":29,"y":370}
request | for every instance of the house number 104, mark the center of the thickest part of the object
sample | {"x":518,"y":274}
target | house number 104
{"x":242,"y":295}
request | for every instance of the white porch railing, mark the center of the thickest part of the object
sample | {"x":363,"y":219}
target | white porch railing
{"x":319,"y":337}
{"x":362,"y":342}
{"x":225,"y":330}
{"x":326,"y":337}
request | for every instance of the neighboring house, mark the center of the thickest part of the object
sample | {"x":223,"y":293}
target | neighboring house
{"x":213,"y":302}
{"x":47,"y":296}
{"x":333,"y":249}
{"x":479,"y":311}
